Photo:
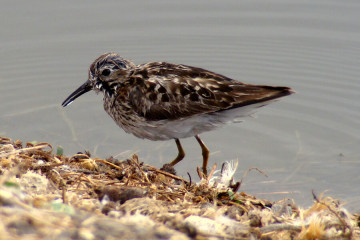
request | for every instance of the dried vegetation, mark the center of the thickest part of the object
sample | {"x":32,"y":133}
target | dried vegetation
{"x":51,"y":196}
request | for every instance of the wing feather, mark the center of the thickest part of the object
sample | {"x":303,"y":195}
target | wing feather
{"x":172,"y":91}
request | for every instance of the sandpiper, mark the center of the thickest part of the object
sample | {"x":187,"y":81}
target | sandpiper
{"x":162,"y":101}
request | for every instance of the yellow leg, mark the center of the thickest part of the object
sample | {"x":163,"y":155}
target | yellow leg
{"x":205,"y":153}
{"x":181,"y":153}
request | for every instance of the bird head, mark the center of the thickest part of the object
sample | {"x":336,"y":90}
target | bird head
{"x":106,"y":73}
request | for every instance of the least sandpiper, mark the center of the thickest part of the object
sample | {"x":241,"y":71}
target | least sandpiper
{"x":162,"y":101}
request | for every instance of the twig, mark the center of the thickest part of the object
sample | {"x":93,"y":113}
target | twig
{"x":344,"y":224}
{"x":189,"y":178}
{"x":135,"y":159}
{"x":211,"y":172}
{"x":200,"y":173}
{"x":108,"y":163}
{"x":24,"y":150}
{"x":239,"y":205}
{"x":151,"y":168}
{"x":252,"y":168}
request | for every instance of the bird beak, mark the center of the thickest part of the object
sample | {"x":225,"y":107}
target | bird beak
{"x":77,"y":93}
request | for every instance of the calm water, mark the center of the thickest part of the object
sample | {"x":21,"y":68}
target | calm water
{"x":305,"y":141}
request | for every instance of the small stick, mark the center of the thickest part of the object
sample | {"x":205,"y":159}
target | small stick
{"x":24,"y":150}
{"x":108,"y":163}
{"x":151,"y":168}
{"x":189,"y":178}
{"x":344,"y":224}
{"x":252,"y":168}
{"x":135,"y":160}
{"x":200,"y":173}
{"x":211,"y":172}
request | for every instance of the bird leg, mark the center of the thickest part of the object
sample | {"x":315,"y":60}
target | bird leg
{"x":205,"y":153}
{"x":181,"y":153}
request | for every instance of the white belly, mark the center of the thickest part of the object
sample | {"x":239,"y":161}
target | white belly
{"x":189,"y":127}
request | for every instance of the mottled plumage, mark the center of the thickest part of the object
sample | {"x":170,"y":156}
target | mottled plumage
{"x":161,"y":101}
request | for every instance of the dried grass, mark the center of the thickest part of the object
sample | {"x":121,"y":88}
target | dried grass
{"x":49,"y":196}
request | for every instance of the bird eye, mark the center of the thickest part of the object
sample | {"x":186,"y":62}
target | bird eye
{"x":106,"y":72}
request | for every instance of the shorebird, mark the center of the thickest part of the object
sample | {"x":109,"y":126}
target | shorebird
{"x":162,"y":101}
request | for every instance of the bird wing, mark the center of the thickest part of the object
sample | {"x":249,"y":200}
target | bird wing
{"x":171,"y":91}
